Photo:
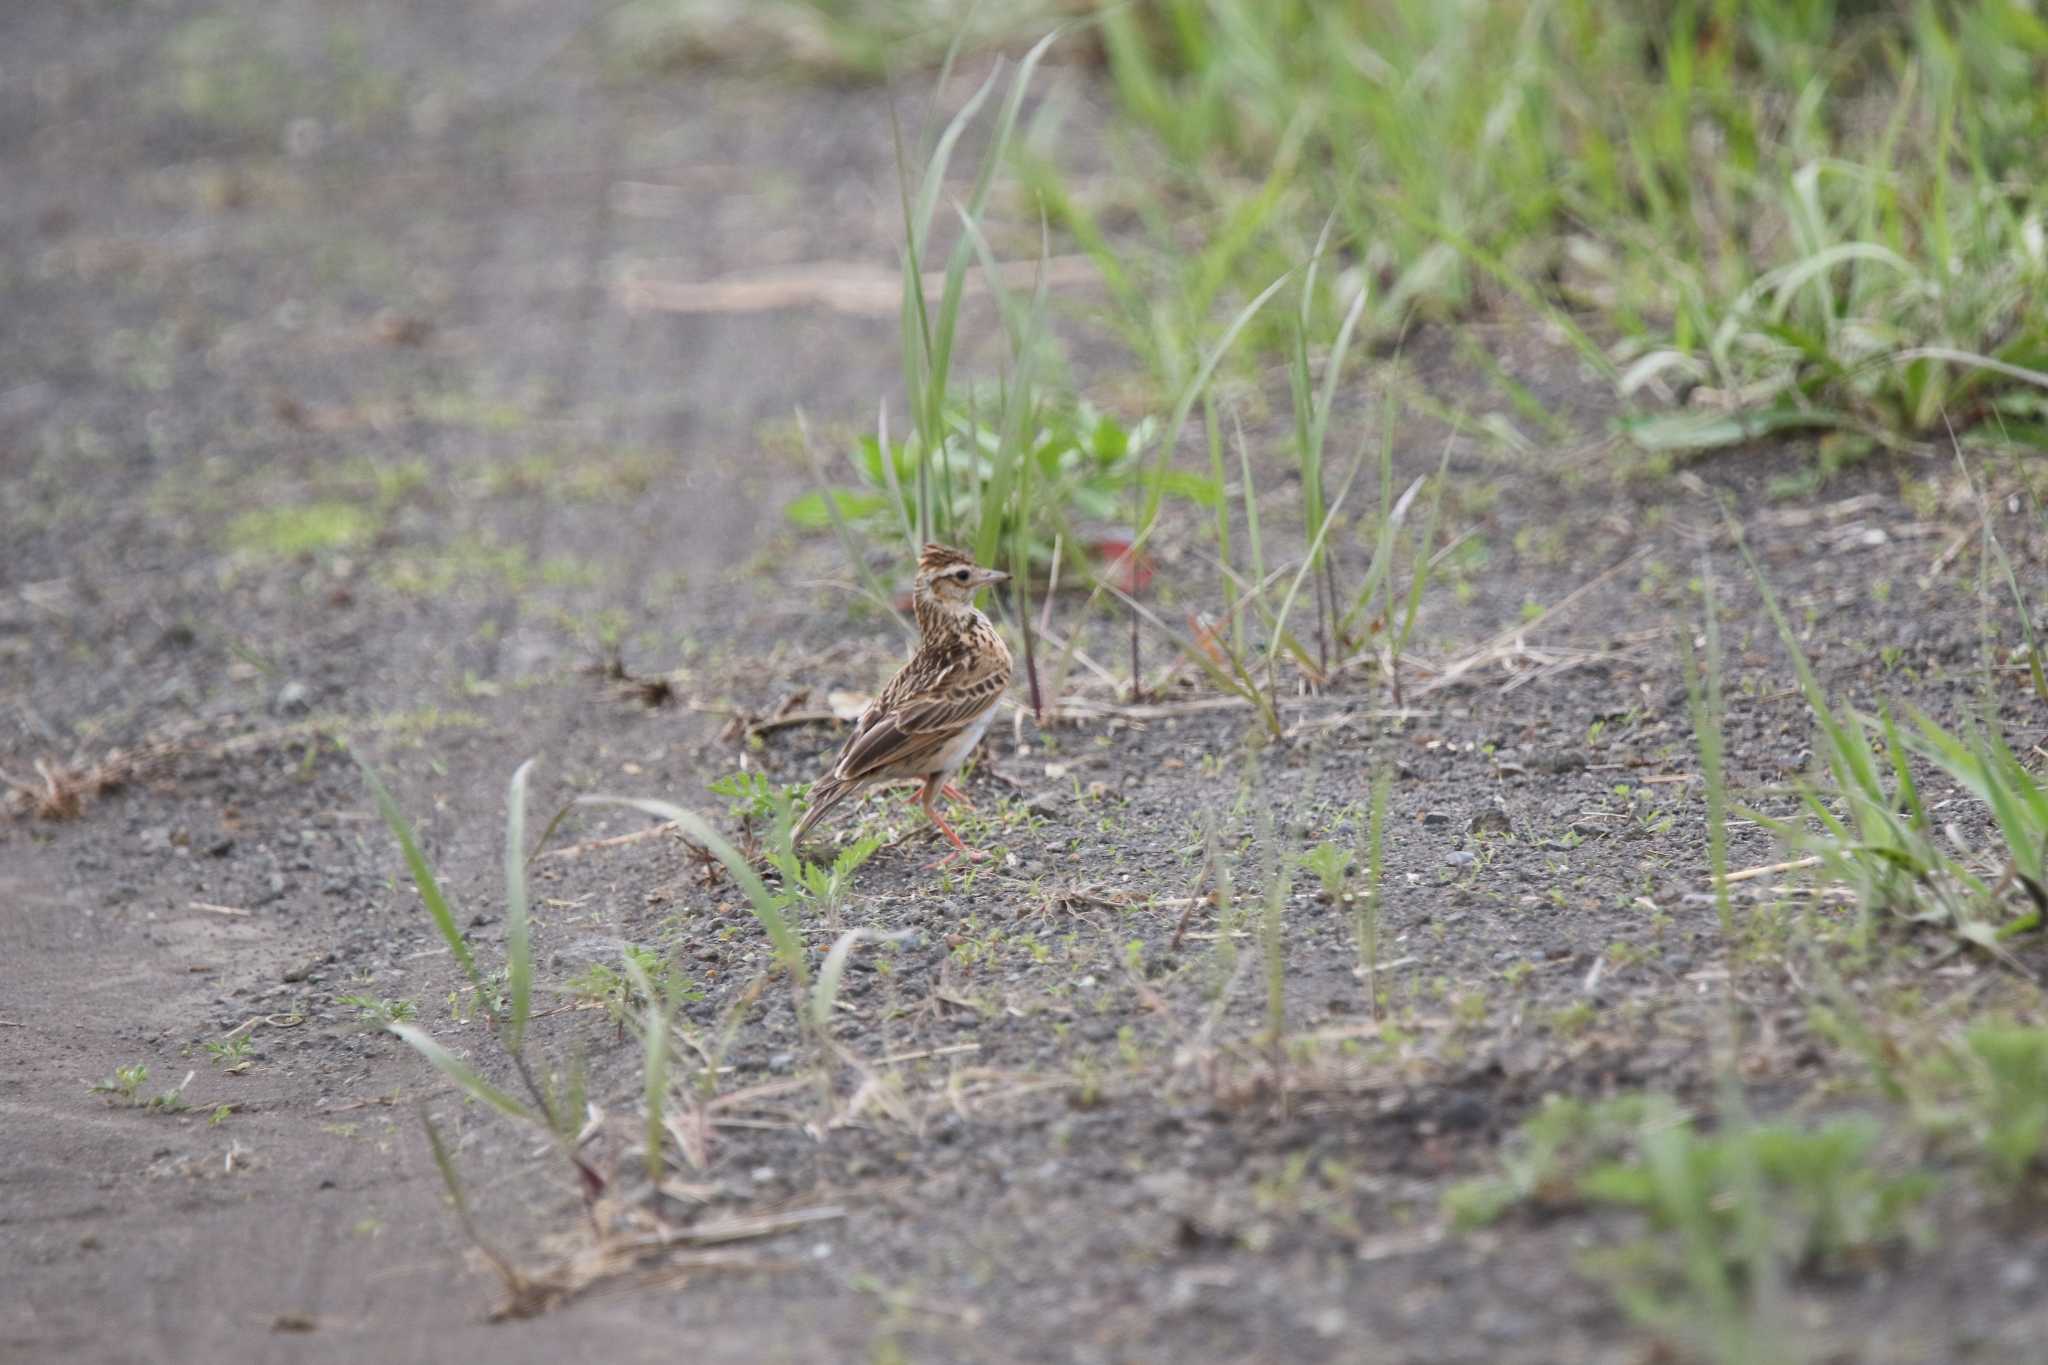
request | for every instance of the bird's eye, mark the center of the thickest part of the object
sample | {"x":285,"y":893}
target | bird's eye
{"x":960,"y":574}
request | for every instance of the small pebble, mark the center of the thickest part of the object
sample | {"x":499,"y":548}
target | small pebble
{"x":293,"y":699}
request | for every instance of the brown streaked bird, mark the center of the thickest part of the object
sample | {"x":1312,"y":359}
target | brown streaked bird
{"x":933,"y":712}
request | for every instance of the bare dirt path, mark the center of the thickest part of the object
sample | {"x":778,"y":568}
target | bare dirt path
{"x":266,"y":257}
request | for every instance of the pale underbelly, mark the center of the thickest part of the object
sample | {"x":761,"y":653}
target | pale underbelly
{"x":956,"y":749}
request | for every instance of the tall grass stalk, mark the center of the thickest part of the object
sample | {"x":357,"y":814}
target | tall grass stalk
{"x":1276,"y":876}
{"x":1311,"y":430}
{"x":507,"y":1017}
{"x":928,"y":337}
{"x":1704,"y":698}
{"x":654,"y":1067}
{"x":767,"y":908}
{"x":1366,"y":917}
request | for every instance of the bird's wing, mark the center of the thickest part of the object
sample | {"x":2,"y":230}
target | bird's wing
{"x":898,"y":729}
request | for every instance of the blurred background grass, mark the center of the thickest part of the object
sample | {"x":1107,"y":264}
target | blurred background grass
{"x":1749,"y":215}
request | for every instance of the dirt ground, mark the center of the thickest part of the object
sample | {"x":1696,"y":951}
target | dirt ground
{"x":334,"y":400}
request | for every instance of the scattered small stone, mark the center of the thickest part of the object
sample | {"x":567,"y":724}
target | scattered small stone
{"x":293,"y":699}
{"x":782,"y":1061}
{"x":1460,"y":857}
{"x":1492,"y":820}
{"x":306,"y":969}
{"x":1435,"y":819}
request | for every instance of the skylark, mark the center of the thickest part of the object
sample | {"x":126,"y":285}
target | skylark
{"x":933,"y":712}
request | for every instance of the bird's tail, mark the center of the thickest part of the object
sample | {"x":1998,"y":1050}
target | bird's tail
{"x":826,"y":793}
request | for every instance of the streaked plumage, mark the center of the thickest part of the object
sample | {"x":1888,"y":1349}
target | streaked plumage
{"x":933,"y":712}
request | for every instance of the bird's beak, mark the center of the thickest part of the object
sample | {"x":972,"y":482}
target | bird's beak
{"x":983,"y":577}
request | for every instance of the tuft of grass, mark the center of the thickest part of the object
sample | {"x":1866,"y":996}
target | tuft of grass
{"x":1331,"y":864}
{"x":1730,"y":1213}
{"x":1072,"y":470}
{"x":1543,"y":1161}
{"x":1003,"y":471}
{"x":2003,"y":1109}
{"x":1864,"y":818}
{"x":1734,"y":1212}
{"x":306,"y":528}
{"x":1805,"y":216}
{"x":125,"y":1087}
{"x":231,"y":1054}
{"x":377,"y":1009}
{"x":503,"y":998}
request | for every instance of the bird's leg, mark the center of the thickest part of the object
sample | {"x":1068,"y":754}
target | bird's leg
{"x":973,"y":855}
{"x":953,"y":793}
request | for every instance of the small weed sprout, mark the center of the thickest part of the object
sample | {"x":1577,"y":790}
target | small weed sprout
{"x":1331,"y":864}
{"x":752,"y":800}
{"x":125,"y":1087}
{"x":125,"y":1084}
{"x":380,"y":1010}
{"x":613,"y":990}
{"x":226,"y":1053}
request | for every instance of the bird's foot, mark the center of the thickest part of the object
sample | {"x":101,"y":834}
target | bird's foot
{"x":972,"y":855}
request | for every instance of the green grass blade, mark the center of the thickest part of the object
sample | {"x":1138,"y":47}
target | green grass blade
{"x":1369,"y":909}
{"x":927,"y":200}
{"x":459,"y":1071}
{"x":1703,"y":695}
{"x":423,"y":878}
{"x":849,"y":542}
{"x":1189,"y":396}
{"x":518,"y":932}
{"x":1308,"y":562}
{"x":1418,"y":578}
{"x":825,"y":994}
{"x":767,"y":908}
{"x":654,"y":1067}
{"x":2019,"y":601}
